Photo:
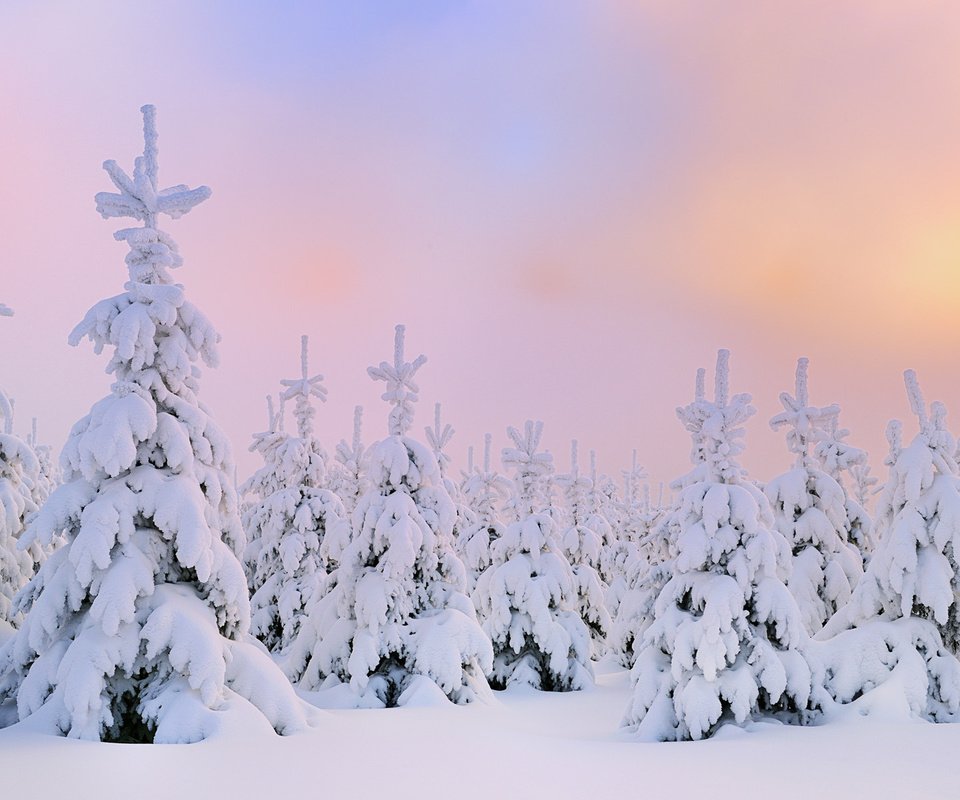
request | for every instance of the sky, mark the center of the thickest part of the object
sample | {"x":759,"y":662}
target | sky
{"x":571,"y":205}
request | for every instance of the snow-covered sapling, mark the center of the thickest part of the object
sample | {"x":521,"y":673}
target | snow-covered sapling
{"x":19,"y":479}
{"x":526,"y":598}
{"x":289,"y":527}
{"x":484,"y":491}
{"x":582,"y":542}
{"x":810,"y":510}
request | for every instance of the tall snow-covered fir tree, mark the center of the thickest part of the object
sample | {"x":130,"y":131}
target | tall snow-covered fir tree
{"x":582,"y":542}
{"x":903,"y":616}
{"x":726,"y":643}
{"x":287,"y":529}
{"x":810,"y":510}
{"x":526,"y":598}
{"x":19,"y":479}
{"x":484,"y":491}
{"x":398,"y":614}
{"x":136,"y":628}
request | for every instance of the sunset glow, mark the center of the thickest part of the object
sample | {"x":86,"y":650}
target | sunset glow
{"x":570,"y":205}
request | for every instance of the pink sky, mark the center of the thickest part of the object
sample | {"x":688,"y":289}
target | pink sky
{"x":570,"y":205}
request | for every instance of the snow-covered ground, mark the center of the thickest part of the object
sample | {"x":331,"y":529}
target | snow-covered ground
{"x":521,"y":744}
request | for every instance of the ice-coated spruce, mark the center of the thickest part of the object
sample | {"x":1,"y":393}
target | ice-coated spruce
{"x":810,"y":508}
{"x":398,"y":621}
{"x":727,"y":639}
{"x":526,"y":598}
{"x":136,"y":629}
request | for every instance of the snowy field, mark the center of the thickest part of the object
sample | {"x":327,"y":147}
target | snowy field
{"x":522,"y":743}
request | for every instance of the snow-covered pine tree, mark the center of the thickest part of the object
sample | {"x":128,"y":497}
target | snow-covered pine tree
{"x":604,"y":515}
{"x":526,"y":598}
{"x":348,"y":480}
{"x":259,"y":486}
{"x":19,"y":478}
{"x":398,"y":614}
{"x":136,"y":628}
{"x":646,"y":564}
{"x":484,"y":491}
{"x":49,"y":473}
{"x":838,"y":457}
{"x":810,"y":510}
{"x":438,"y":437}
{"x":288,"y":528}
{"x":582,"y":544}
{"x":903,"y":617}
{"x":726,"y":641}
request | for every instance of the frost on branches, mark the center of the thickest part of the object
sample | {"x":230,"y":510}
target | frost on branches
{"x":726,"y":641}
{"x":810,"y":510}
{"x":902,"y":621}
{"x":288,"y":528}
{"x":582,"y":542}
{"x":484,"y":491}
{"x":398,"y":613}
{"x":19,"y":479}
{"x":526,"y":598}
{"x":135,"y":628}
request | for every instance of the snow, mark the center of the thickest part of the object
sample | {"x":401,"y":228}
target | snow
{"x":543,"y":744}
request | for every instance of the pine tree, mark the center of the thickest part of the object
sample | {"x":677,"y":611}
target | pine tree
{"x":259,"y":486}
{"x":289,"y":527}
{"x":810,"y":510}
{"x":484,"y":491}
{"x":726,"y":641}
{"x":398,"y":613}
{"x":647,"y":566}
{"x":49,"y":473}
{"x":526,"y":598}
{"x":19,"y":479}
{"x":837,"y":457}
{"x":582,"y":542}
{"x":348,"y":480}
{"x":136,"y":628}
{"x":438,"y":437}
{"x":903,"y":616}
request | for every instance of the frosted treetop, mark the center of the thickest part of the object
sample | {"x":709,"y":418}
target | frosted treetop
{"x":715,"y":426}
{"x":302,"y":389}
{"x":402,"y":391}
{"x":140,"y":197}
{"x":805,"y":423}
{"x":933,"y":427}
